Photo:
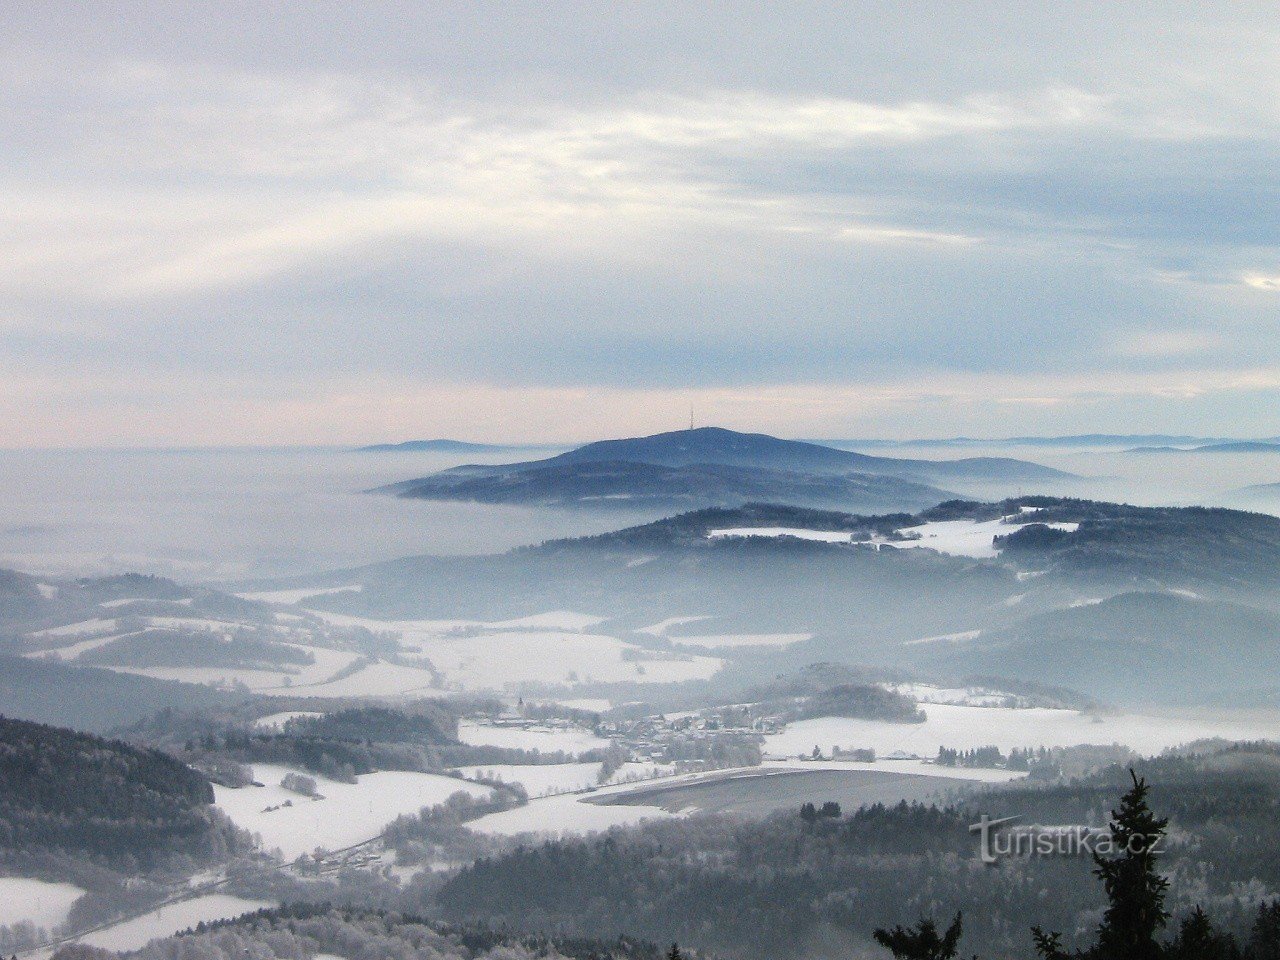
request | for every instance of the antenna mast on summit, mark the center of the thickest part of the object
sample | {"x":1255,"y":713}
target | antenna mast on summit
{"x":691,"y":416}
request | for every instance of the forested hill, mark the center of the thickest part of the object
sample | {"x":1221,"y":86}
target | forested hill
{"x":301,"y":930}
{"x":77,"y":793}
{"x":789,"y":887}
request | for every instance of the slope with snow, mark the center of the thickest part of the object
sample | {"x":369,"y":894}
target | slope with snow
{"x":36,"y":901}
{"x":348,"y":814}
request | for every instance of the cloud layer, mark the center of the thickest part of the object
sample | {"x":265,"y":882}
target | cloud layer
{"x":224,"y":227}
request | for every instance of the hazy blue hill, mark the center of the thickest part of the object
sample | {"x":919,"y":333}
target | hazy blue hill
{"x":713,"y":466}
{"x":1133,"y":648}
{"x":630,"y":484}
{"x":90,"y":699}
{"x":435,"y":446}
{"x":717,"y":445}
{"x":1230,"y":446}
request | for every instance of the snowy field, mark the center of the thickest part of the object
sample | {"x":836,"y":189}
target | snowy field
{"x":965,"y":538}
{"x":170,"y":919}
{"x":549,"y":648}
{"x":349,"y":813}
{"x":564,"y":815}
{"x":965,"y":727}
{"x":290,"y":597}
{"x":546,"y":739}
{"x":326,"y":664}
{"x":374,"y":680}
{"x":713,"y":640}
{"x":961,"y":538}
{"x":547,"y":779}
{"x":36,"y":901}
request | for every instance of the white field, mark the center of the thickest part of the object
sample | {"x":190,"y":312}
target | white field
{"x":291,"y":597}
{"x":73,"y":651}
{"x":962,"y":538}
{"x":740,"y":640}
{"x":170,"y":919}
{"x":540,"y":780}
{"x":504,"y":655}
{"x":965,"y":727}
{"x":349,"y":813}
{"x":37,"y":901}
{"x":553,"y":620}
{"x":565,"y":815}
{"x":288,"y":677}
{"x":83,"y":628}
{"x":129,"y":601}
{"x":969,"y":696}
{"x":546,"y":779}
{"x":546,"y":739}
{"x":502,"y":660}
{"x":960,"y":637}
{"x":660,"y":628}
{"x":275,"y":721}
{"x":375,"y":680}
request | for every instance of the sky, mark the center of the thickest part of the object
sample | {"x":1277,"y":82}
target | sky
{"x":297,"y":223}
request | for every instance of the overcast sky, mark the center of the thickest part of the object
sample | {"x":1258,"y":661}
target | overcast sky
{"x":347,"y":222}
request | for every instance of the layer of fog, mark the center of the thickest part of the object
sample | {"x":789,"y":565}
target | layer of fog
{"x":228,"y":514}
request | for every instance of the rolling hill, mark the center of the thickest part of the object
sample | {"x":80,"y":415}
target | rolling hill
{"x":713,"y":466}
{"x":1133,"y":648}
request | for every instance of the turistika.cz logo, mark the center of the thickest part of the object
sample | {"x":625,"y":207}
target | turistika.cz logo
{"x":1003,"y":838}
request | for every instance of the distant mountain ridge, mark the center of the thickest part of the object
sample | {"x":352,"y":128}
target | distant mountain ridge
{"x":621,"y":483}
{"x":441,"y":446}
{"x":713,"y":466}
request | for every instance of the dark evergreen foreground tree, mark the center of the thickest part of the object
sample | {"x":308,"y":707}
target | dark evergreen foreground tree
{"x":922,"y":942}
{"x":1135,"y":913}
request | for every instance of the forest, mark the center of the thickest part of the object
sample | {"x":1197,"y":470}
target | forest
{"x":789,"y":883}
{"x":74,"y":792}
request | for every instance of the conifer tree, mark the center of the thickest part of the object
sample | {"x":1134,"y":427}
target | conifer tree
{"x":921,"y":942}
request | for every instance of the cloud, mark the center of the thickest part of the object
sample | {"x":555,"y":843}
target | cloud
{"x":530,"y":204}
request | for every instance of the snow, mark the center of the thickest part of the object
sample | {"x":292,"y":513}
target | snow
{"x":37,"y":901}
{"x":288,"y":677}
{"x":660,"y":628}
{"x":376,"y":680}
{"x":297,"y":596}
{"x":504,"y":655}
{"x":963,"y":538}
{"x":965,"y":727}
{"x":170,"y":919}
{"x":741,"y":640}
{"x":47,"y":590}
{"x":129,"y":601}
{"x":960,"y":637}
{"x":969,"y":696}
{"x":540,"y":780}
{"x":554,"y":620}
{"x":348,"y":815}
{"x":78,"y":629}
{"x":72,"y":651}
{"x":826,"y":536}
{"x":277,"y":720}
{"x":564,"y":815}
{"x":546,"y":739}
